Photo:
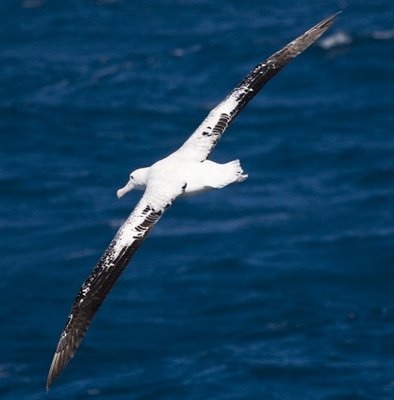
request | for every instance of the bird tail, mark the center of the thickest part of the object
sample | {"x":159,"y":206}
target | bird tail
{"x":236,"y":170}
{"x":228,"y":173}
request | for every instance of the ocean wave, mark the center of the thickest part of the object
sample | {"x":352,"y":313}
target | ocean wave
{"x":176,"y":227}
{"x":347,"y":236}
{"x":383,"y":35}
{"x":32,"y":3}
{"x":335,"y":40}
{"x":342,"y":38}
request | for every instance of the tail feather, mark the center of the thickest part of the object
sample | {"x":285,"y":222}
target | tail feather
{"x":224,"y":174}
{"x":237,"y":170}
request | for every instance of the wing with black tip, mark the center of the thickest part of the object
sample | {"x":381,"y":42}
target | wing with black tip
{"x":201,"y":143}
{"x":103,"y":277}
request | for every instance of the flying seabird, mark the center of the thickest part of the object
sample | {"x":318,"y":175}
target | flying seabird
{"x":187,"y":171}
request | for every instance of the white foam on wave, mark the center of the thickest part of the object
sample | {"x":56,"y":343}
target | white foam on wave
{"x":341,"y":38}
{"x":335,"y":40}
{"x":383,"y":35}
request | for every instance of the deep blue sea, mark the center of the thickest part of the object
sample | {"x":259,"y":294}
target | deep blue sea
{"x":278,"y":288}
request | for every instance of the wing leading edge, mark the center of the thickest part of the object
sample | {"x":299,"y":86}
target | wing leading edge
{"x":96,"y":287}
{"x":202,"y":142}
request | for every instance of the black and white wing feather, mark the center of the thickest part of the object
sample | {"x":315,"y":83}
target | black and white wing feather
{"x":201,"y":143}
{"x":133,"y":232}
{"x":96,"y":287}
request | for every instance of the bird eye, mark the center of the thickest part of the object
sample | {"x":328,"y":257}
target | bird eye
{"x":131,"y":177}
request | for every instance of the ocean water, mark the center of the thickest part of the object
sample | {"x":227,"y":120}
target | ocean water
{"x":279,"y":288}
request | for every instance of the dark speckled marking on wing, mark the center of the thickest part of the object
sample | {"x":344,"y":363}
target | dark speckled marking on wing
{"x":94,"y":290}
{"x":197,"y":147}
{"x":201,"y":143}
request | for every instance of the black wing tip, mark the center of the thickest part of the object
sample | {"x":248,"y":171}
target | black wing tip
{"x":54,"y":370}
{"x":302,"y":42}
{"x":319,"y":29}
{"x":327,"y":22}
{"x":59,"y":362}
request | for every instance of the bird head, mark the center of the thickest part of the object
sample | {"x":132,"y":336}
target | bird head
{"x":137,"y":180}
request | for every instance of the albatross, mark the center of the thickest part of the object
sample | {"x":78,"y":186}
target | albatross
{"x":187,"y":171}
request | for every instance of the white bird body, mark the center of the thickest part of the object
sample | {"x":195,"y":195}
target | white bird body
{"x":170,"y":173}
{"x":207,"y":175}
{"x":187,"y":171}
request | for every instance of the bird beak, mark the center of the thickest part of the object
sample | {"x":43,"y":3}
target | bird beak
{"x":121,"y":192}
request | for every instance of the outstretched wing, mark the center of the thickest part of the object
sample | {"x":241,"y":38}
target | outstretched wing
{"x":201,"y":143}
{"x":96,"y":287}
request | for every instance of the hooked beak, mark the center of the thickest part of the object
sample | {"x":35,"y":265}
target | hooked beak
{"x":121,"y":192}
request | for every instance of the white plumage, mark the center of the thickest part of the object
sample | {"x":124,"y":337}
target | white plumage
{"x":185,"y":172}
{"x":174,"y":171}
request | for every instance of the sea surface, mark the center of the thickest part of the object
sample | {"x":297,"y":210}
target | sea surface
{"x":278,"y":288}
